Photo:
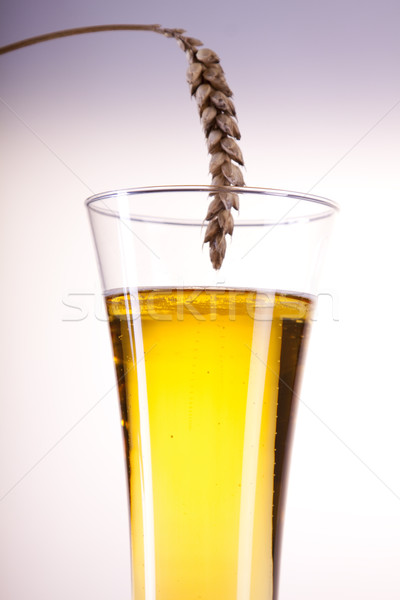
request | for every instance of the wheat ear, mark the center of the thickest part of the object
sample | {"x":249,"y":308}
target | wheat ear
{"x":218,"y":117}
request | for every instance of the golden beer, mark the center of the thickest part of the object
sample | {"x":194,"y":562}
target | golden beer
{"x":207,"y":383}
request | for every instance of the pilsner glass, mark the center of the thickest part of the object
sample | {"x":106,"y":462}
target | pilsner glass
{"x":208,"y":365}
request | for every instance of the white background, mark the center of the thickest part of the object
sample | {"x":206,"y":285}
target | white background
{"x":318,"y":96}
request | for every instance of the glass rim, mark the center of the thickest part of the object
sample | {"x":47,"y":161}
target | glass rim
{"x":92,"y":203}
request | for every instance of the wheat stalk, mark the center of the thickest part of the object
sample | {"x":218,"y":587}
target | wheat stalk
{"x":208,"y":85}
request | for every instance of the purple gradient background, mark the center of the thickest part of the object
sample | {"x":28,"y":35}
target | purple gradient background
{"x":318,"y":97}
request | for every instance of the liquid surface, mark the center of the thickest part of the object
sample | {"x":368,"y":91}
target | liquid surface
{"x":207,"y":382}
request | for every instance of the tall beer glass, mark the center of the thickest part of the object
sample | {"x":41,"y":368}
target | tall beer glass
{"x":208,"y":365}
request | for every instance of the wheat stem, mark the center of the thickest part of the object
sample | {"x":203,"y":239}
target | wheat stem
{"x":76,"y":31}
